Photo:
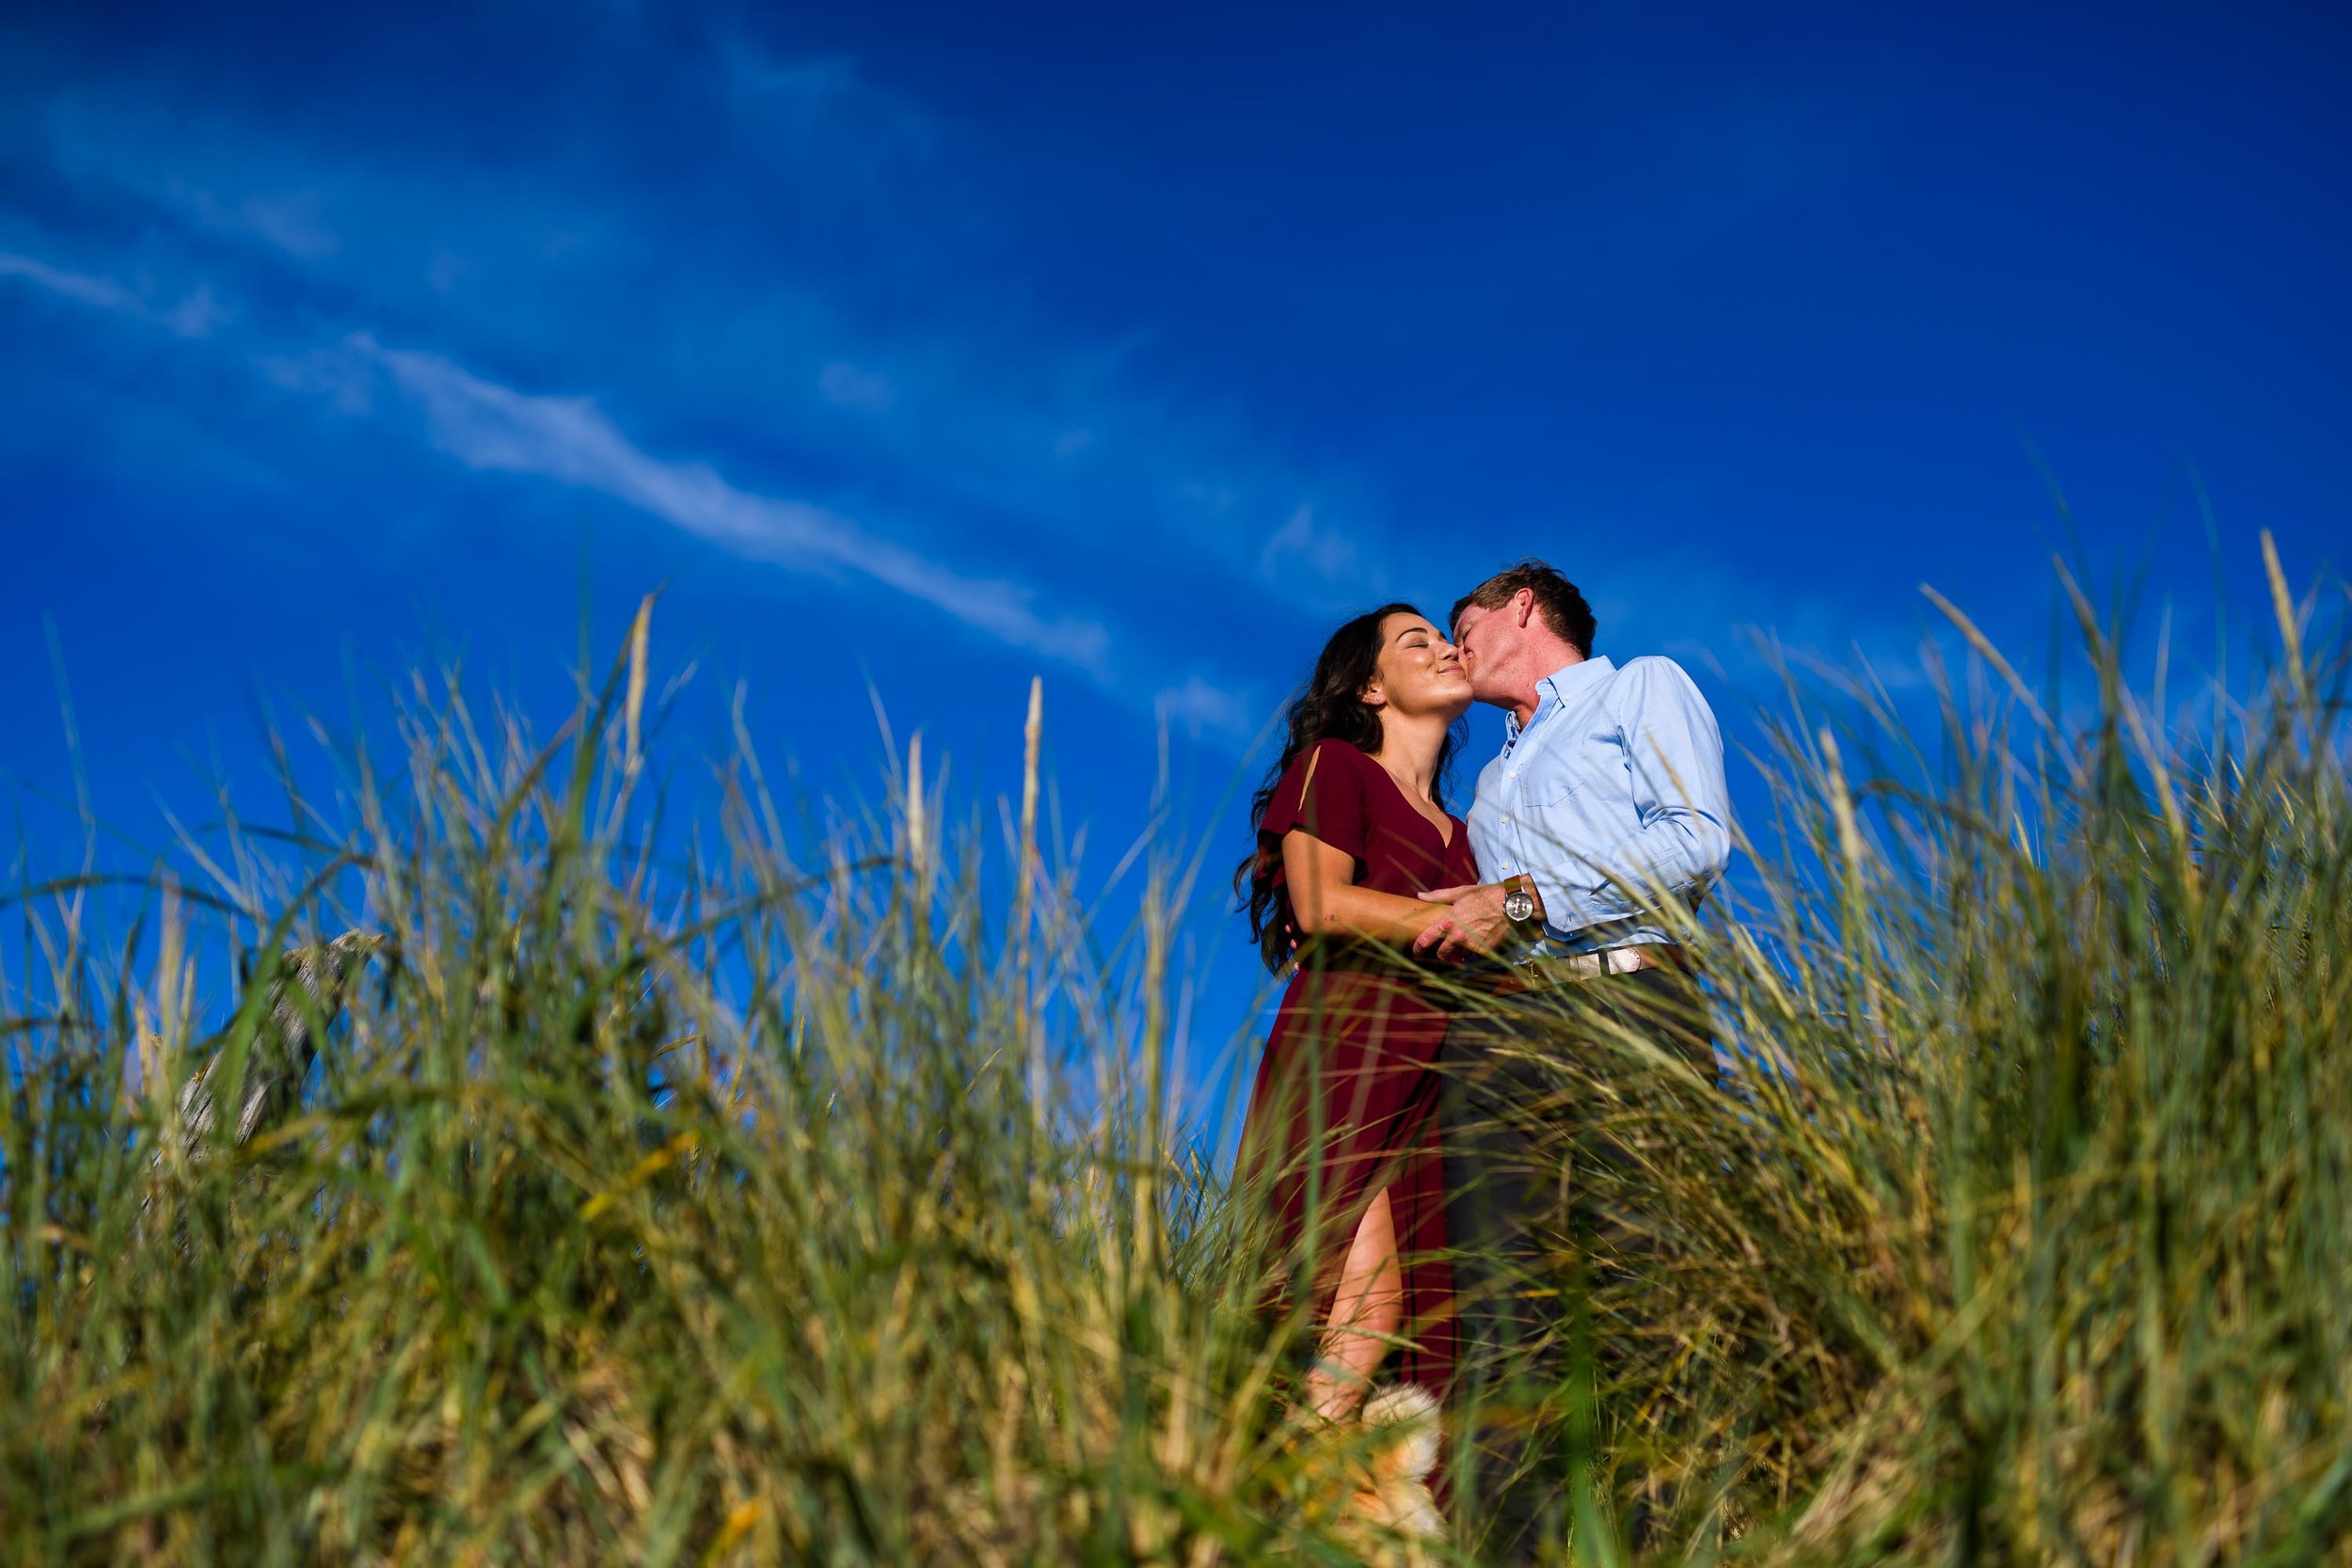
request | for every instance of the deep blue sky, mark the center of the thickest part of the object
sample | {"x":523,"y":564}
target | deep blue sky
{"x":941,"y":347}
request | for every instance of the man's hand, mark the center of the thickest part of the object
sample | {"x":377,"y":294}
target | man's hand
{"x":1473,"y":922}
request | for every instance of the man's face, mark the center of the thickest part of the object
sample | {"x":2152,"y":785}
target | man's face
{"x":1486,"y":639}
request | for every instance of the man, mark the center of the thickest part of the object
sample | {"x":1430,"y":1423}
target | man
{"x":1606,"y":806}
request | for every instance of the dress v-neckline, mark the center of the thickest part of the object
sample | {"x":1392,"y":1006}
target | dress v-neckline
{"x":1445,"y":835}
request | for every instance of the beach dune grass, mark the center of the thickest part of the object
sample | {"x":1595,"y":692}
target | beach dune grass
{"x":2026,"y":1239}
{"x":781,"y":1189}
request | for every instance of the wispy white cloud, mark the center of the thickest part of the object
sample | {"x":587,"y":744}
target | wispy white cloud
{"x":103,"y":294}
{"x":1301,"y":546}
{"x":1202,"y":707}
{"x":332,"y":373}
{"x":290,"y":221}
{"x":568,"y":440}
{"x":1700,"y":615}
{"x":991,"y":412}
{"x":195,"y":315}
{"x":1063,"y":461}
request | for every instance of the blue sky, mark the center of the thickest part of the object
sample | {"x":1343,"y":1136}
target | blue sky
{"x":937,"y":348}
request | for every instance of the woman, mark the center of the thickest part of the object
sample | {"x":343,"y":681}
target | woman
{"x":1342,"y":1120}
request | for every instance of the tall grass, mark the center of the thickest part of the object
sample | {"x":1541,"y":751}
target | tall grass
{"x":779,"y":1189}
{"x":2026,"y":1239}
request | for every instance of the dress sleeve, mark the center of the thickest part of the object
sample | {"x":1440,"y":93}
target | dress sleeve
{"x":1322,"y":794}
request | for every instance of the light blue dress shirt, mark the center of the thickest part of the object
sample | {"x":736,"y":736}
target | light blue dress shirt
{"x":1613,"y":787}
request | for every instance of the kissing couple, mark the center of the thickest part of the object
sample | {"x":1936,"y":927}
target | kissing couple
{"x":1410,"y":1141}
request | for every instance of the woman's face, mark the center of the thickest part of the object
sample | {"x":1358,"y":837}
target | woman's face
{"x":1419,"y":673}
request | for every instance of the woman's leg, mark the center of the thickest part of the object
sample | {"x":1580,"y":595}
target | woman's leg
{"x":1366,"y":1313}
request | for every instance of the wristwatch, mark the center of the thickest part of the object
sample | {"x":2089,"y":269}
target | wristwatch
{"x":1519,"y":906}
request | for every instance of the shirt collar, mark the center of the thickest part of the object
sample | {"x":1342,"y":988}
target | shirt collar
{"x":1561,"y":686}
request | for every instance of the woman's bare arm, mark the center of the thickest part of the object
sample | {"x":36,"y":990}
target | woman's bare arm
{"x":1324,"y":898}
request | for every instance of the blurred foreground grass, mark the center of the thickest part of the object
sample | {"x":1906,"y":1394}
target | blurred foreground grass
{"x":811,"y":1205}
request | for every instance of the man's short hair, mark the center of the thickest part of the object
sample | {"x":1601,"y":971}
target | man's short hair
{"x":1563,"y":607}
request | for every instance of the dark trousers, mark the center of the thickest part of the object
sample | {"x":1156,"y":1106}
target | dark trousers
{"x":1528,"y":1238}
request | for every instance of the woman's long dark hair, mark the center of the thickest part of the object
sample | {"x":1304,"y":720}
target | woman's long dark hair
{"x":1330,"y":708}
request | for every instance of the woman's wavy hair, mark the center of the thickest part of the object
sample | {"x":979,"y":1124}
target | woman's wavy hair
{"x":1330,"y":708}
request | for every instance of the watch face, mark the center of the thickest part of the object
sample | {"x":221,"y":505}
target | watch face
{"x":1518,"y":904}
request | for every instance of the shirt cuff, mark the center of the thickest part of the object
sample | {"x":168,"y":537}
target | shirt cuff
{"x":1570,"y":909}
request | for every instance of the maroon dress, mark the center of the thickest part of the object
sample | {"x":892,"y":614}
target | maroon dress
{"x":1345,"y":1100}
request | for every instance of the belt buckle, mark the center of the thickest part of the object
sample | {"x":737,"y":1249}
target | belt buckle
{"x":1576,"y":968}
{"x":1625,"y":958}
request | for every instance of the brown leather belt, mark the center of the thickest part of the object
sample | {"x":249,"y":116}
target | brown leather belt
{"x":1576,"y":968}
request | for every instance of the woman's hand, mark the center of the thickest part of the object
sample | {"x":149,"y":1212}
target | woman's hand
{"x":1471,"y":922}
